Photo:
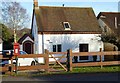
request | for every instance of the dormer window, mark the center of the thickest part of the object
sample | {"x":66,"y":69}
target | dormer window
{"x":66,"y":25}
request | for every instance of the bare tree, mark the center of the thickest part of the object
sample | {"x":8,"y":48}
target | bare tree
{"x":14,"y":15}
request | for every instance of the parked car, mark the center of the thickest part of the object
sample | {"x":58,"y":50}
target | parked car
{"x":21,"y":61}
{"x":25,"y":61}
{"x":6,"y":53}
{"x":3,"y":62}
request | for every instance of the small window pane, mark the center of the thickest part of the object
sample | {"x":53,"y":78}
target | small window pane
{"x":59,"y":48}
{"x":54,"y":48}
{"x":67,"y":25}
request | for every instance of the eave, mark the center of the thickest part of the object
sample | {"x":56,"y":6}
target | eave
{"x":67,"y":32}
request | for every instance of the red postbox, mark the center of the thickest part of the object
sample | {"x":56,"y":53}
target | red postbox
{"x":16,"y":49}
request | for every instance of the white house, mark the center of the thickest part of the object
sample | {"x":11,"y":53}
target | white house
{"x":1,"y":45}
{"x":61,"y":28}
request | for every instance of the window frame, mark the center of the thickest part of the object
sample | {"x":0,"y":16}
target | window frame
{"x":67,"y":28}
{"x":58,"y":48}
{"x":54,"y":48}
{"x":83,"y":47}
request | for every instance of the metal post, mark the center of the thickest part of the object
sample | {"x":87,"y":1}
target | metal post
{"x":16,"y":68}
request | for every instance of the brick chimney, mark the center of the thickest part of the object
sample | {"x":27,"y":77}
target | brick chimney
{"x":35,"y":3}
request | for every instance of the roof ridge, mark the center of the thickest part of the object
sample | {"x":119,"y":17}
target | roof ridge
{"x":65,"y":7}
{"x":110,"y":12}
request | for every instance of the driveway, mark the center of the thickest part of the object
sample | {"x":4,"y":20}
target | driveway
{"x":67,"y":77}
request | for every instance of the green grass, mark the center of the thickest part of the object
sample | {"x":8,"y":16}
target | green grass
{"x":75,"y":70}
{"x":104,"y":69}
{"x":96,"y":69}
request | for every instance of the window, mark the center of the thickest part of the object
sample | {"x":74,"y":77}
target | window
{"x":57,"y":48}
{"x":83,"y":48}
{"x":66,"y":25}
{"x":54,"y":48}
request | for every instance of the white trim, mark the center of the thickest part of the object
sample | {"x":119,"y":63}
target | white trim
{"x":68,"y":25}
{"x":26,"y":39}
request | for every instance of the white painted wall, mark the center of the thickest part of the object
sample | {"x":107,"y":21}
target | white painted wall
{"x":27,"y":38}
{"x":1,"y":46}
{"x":104,"y":26}
{"x":70,"y":41}
{"x":35,"y":35}
{"x":21,"y":47}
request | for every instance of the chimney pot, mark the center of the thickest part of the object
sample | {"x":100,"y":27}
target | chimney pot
{"x":35,"y":3}
{"x":63,"y":5}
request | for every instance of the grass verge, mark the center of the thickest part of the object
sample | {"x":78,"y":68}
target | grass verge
{"x":105,"y":69}
{"x":96,"y":69}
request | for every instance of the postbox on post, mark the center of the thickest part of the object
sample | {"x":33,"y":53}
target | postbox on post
{"x":16,"y":53}
{"x":16,"y":49}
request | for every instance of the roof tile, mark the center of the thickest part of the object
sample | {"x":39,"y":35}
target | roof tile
{"x":80,"y":19}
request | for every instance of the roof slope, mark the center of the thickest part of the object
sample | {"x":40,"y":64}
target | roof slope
{"x":23,"y":37}
{"x":52,"y":18}
{"x":109,"y":19}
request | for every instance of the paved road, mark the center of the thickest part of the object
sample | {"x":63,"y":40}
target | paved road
{"x":68,"y":77}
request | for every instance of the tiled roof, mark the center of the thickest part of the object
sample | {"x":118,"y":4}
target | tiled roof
{"x":52,"y":18}
{"x":109,"y":19}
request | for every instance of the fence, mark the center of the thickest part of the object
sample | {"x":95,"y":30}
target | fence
{"x":101,"y":63}
{"x":5,"y":68}
{"x":11,"y":67}
{"x":60,"y":57}
{"x":69,"y":63}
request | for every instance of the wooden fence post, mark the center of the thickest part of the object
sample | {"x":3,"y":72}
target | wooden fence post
{"x":101,"y":58}
{"x":69,"y":60}
{"x":12,"y":66}
{"x":47,"y":59}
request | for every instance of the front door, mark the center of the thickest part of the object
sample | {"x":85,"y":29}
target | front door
{"x":83,"y":48}
{"x":28,"y":47}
